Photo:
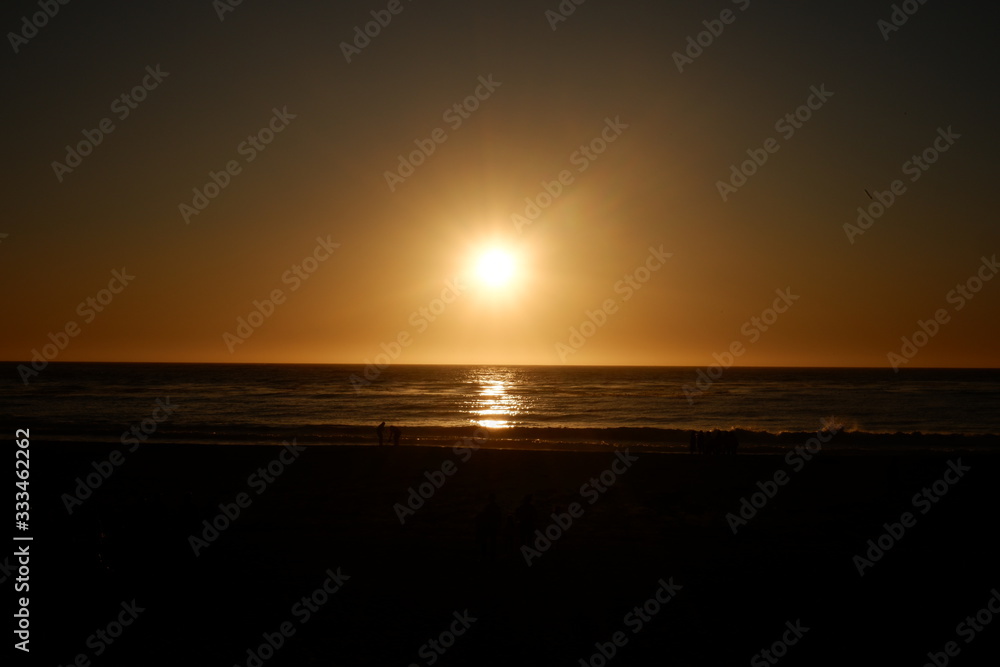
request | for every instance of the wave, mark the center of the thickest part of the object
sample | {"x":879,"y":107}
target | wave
{"x":553,"y":437}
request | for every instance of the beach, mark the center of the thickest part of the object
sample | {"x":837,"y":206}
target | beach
{"x":565,"y":333}
{"x":359,"y":555}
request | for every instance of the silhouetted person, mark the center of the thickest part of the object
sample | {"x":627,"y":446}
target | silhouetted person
{"x":395,"y":434}
{"x":713,"y":441}
{"x":508,"y":537}
{"x":381,"y":433}
{"x":488,"y":529}
{"x":693,"y":444}
{"x":525,"y":515}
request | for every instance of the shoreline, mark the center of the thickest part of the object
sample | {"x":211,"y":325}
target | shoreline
{"x":841,"y":444}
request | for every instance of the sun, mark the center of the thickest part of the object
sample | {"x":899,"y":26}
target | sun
{"x":496,"y":267}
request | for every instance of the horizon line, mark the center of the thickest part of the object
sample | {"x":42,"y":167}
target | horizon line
{"x":362,"y":365}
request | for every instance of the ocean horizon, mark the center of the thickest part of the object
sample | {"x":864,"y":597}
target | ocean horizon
{"x":518,"y":406}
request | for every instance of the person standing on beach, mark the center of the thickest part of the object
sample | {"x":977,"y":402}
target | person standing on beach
{"x":380,"y":430}
{"x":394,"y":434}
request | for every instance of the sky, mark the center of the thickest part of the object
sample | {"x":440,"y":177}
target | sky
{"x":603,"y":157}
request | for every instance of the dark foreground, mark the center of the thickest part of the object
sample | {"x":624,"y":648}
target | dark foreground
{"x":401,"y":586}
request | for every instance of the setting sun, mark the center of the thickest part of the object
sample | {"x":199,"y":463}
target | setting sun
{"x":496,"y":267}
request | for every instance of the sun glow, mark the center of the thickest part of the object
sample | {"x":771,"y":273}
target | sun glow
{"x":496,"y":267}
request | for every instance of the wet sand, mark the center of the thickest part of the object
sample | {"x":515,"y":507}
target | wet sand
{"x":663,"y":520}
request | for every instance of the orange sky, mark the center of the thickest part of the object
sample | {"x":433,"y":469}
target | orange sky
{"x":661,"y":141}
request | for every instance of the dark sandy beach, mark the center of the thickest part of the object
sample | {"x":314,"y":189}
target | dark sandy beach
{"x":328,"y":518}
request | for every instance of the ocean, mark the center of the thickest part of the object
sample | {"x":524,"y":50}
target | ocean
{"x":524,"y":406}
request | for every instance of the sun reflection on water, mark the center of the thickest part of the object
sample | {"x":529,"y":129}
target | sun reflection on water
{"x":495,"y":403}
